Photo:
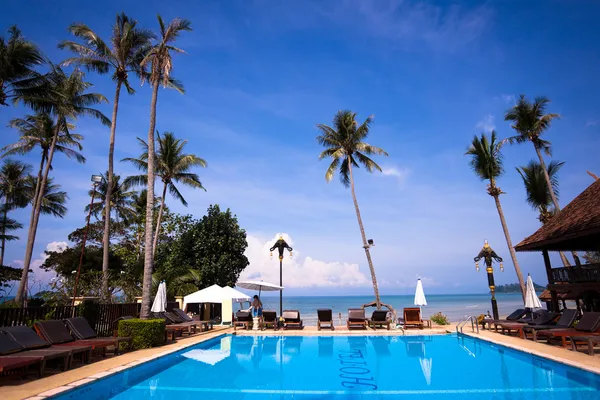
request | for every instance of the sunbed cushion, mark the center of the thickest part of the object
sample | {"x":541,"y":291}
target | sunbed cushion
{"x":8,"y":345}
{"x":269,"y":316}
{"x":80,"y":328}
{"x":242,"y":315}
{"x":356,"y":315}
{"x":517,"y":314}
{"x":325,"y":314}
{"x":589,"y":322}
{"x":173,"y":317}
{"x":26,"y":337}
{"x":567,"y":318}
{"x":379,"y":316}
{"x":54,"y":331}
{"x":543,"y":318}
{"x":181,"y":314}
{"x":291,"y":316}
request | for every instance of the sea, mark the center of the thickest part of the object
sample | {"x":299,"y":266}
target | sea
{"x":454,"y":306}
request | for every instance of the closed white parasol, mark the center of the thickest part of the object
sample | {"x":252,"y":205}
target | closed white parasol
{"x":531,"y":299}
{"x":420,"y":299}
{"x":160,"y":301}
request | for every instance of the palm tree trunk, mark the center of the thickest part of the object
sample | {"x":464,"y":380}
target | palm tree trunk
{"x":564,"y":259}
{"x":364,"y":239}
{"x":511,"y":249}
{"x":108,"y":195}
{"x":148,"y":250}
{"x":37,"y":205}
{"x":160,"y":212}
{"x":4,"y":219}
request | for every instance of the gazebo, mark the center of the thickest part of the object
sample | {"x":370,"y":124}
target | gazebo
{"x":575,"y":228}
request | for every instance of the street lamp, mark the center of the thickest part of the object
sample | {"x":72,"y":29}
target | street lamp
{"x":488,"y":255}
{"x":96,"y":179}
{"x":281,"y":245}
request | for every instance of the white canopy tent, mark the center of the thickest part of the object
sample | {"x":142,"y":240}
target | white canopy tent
{"x":217,"y":294}
{"x":211,"y":294}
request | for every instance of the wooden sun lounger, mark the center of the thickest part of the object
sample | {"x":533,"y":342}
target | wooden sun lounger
{"x":379,"y":319}
{"x":589,"y":341}
{"x":543,"y":319}
{"x":82,"y":330}
{"x":356,"y":318}
{"x":243,"y":319}
{"x":589,"y":325}
{"x":291,"y":319}
{"x":325,"y":319}
{"x":412,"y":318}
{"x":269,"y":320}
{"x":56,"y":333}
{"x":8,"y":363}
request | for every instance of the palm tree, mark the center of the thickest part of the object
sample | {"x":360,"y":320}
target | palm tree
{"x":121,"y":200}
{"x":487,"y":163}
{"x":66,"y":100}
{"x":18,"y":57}
{"x":344,"y":145}
{"x":13,"y":176}
{"x":129,"y":45}
{"x":157,"y":64}
{"x":538,"y":195}
{"x":530,"y":122}
{"x":172,"y":166}
{"x":53,"y":198}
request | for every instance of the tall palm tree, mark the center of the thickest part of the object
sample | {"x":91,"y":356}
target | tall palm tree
{"x":128,"y":46}
{"x":538,"y":195}
{"x":18,"y":57}
{"x":67,"y":99}
{"x":157,"y":65}
{"x":530,"y":122}
{"x":13,"y":195}
{"x":487,"y":163}
{"x":345,"y":146}
{"x":121,"y":200}
{"x":172,"y":166}
{"x":54,"y":199}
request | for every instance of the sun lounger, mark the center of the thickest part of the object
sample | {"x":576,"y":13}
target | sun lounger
{"x":10,"y":348}
{"x":542,"y":318}
{"x":242,"y":318}
{"x":356,"y":318}
{"x":29,"y":340}
{"x":82,"y":330}
{"x":270,"y":319}
{"x":56,"y":333}
{"x":412,"y":318}
{"x":325,"y":318}
{"x":204,"y":325}
{"x":589,"y":341}
{"x":174,"y":323}
{"x":379,"y":319}
{"x":291,"y":319}
{"x":588,"y":325}
{"x":566,"y":320}
{"x":515,"y":316}
{"x":8,"y":363}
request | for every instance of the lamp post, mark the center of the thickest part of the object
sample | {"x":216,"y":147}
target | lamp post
{"x":489,"y":255}
{"x":281,"y":245}
{"x":96,"y":179}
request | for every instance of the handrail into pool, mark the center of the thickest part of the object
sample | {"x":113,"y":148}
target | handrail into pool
{"x":466,"y":319}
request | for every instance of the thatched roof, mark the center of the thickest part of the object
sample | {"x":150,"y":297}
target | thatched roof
{"x":575,"y":227}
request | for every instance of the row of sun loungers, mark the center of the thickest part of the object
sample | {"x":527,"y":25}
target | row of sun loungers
{"x":554,"y":327}
{"x":356,"y":319}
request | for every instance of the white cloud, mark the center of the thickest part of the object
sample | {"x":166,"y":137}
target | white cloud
{"x":298,"y":272}
{"x":508,"y":98}
{"x":591,"y":123}
{"x":487,"y":123}
{"x":399,"y":173}
{"x":41,"y":276}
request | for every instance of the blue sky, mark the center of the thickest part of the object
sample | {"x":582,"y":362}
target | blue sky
{"x":260,"y":74}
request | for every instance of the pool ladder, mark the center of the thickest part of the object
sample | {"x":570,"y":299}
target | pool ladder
{"x":466,"y":319}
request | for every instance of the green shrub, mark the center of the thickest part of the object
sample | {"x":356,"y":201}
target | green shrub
{"x":145,"y":333}
{"x":440,"y":319}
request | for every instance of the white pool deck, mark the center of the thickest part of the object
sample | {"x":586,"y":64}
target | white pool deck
{"x":63,"y":381}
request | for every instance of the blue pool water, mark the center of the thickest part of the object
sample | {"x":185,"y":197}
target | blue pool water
{"x":345,"y":367}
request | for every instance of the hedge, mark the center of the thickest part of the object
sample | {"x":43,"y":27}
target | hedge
{"x":145,"y":333}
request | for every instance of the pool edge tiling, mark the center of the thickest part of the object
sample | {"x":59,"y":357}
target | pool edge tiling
{"x":165,"y":365}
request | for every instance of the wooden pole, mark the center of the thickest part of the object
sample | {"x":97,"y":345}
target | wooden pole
{"x":550,"y":279}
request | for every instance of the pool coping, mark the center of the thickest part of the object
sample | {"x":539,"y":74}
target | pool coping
{"x":582,"y":361}
{"x":75,"y":383}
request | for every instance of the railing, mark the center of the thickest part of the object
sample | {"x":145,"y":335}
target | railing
{"x":100,"y":316}
{"x":466,"y":319}
{"x":585,"y":273}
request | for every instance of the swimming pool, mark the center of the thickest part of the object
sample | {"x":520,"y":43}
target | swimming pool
{"x":345,"y":367}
